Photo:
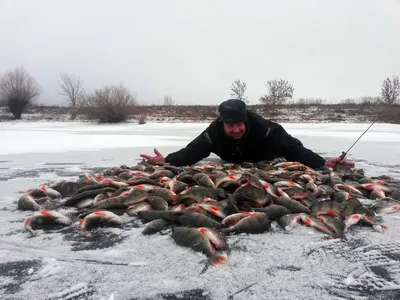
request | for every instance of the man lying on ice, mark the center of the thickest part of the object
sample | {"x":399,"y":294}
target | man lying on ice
{"x":240,"y":135}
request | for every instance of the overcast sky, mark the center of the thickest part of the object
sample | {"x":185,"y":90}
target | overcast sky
{"x":194,"y":50}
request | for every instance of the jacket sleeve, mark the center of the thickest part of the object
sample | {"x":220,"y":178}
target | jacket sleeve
{"x":292,"y":149}
{"x":195,"y":151}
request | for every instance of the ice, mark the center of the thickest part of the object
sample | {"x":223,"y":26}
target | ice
{"x":71,"y":292}
{"x":124,"y":264}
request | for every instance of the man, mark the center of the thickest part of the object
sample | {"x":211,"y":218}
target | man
{"x":240,"y":135}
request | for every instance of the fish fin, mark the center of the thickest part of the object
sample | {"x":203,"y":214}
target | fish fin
{"x":331,"y":213}
{"x":81,"y":223}
{"x":203,"y":230}
{"x":26,"y":222}
{"x":45,"y":212}
{"x":175,"y":198}
{"x":99,"y":213}
{"x":218,"y":259}
{"x":307,"y":221}
{"x":369,"y":187}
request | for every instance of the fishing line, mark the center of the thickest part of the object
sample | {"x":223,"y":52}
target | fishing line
{"x":345,"y":153}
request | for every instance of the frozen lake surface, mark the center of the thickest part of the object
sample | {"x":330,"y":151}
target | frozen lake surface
{"x":124,"y":264}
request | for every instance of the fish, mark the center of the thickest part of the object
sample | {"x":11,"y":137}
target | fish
{"x":158,"y":203}
{"x":175,"y":185}
{"x":150,"y":215}
{"x":204,"y":180}
{"x":257,"y":222}
{"x":289,"y":221}
{"x":217,"y":239}
{"x":292,"y":205}
{"x":273,"y":211}
{"x":117,"y":208}
{"x":27,"y":202}
{"x":350,"y":206}
{"x":251,"y":193}
{"x":386,"y":206}
{"x":328,"y":207}
{"x":316,"y":223}
{"x":323,"y":191}
{"x":297,"y":193}
{"x":352,"y":220}
{"x":133,"y":209}
{"x":197,"y":240}
{"x":168,"y":195}
{"x":198,"y":220}
{"x":45,"y":217}
{"x":335,"y":224}
{"x":100,"y":218}
{"x":197,"y":193}
{"x":86,"y":194}
{"x":65,"y":188}
{"x":141,"y":180}
{"x":155,"y":226}
{"x":212,"y":209}
{"x":162,"y":173}
{"x":340,"y":197}
{"x":219,"y":199}
{"x":234,"y":218}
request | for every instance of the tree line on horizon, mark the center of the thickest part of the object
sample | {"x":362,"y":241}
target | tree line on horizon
{"x":114,"y":103}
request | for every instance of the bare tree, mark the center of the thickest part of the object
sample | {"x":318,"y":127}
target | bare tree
{"x":110,"y":104}
{"x":279,"y":91}
{"x":18,"y":89}
{"x":390,"y":90}
{"x":369,"y":100}
{"x":72,"y":87}
{"x":168,"y":101}
{"x":238,"y":89}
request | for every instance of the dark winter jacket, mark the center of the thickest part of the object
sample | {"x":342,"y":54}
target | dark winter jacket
{"x":263,"y":140}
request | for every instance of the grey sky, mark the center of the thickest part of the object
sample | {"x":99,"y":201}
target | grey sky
{"x":194,"y":50}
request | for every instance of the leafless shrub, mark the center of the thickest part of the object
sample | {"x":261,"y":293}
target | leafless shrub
{"x":348,"y":101}
{"x":279,"y":91}
{"x":168,"y":101}
{"x":238,"y":89}
{"x":71,"y":87}
{"x":309,"y":101}
{"x":392,"y":115}
{"x":18,"y":89}
{"x":111,"y":104}
{"x":390,"y":90}
{"x":142,"y":119}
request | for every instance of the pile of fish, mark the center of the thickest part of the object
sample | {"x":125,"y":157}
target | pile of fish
{"x":201,"y":205}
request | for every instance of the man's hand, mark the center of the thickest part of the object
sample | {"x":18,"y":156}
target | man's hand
{"x":155,"y":159}
{"x":333,"y":162}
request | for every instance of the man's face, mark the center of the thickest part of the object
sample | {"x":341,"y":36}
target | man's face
{"x":236,"y":130}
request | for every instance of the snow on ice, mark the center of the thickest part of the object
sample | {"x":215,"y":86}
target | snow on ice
{"x":124,"y":264}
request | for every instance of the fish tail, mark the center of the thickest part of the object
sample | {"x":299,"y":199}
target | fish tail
{"x":339,"y":235}
{"x":383,"y":226}
{"x":82,"y":223}
{"x":218,"y":259}
{"x":32,"y":232}
{"x":27,"y":225}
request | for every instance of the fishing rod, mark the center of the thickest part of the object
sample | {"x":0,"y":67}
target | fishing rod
{"x":345,"y":153}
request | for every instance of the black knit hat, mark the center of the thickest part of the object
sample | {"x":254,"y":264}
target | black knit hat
{"x":233,"y":111}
